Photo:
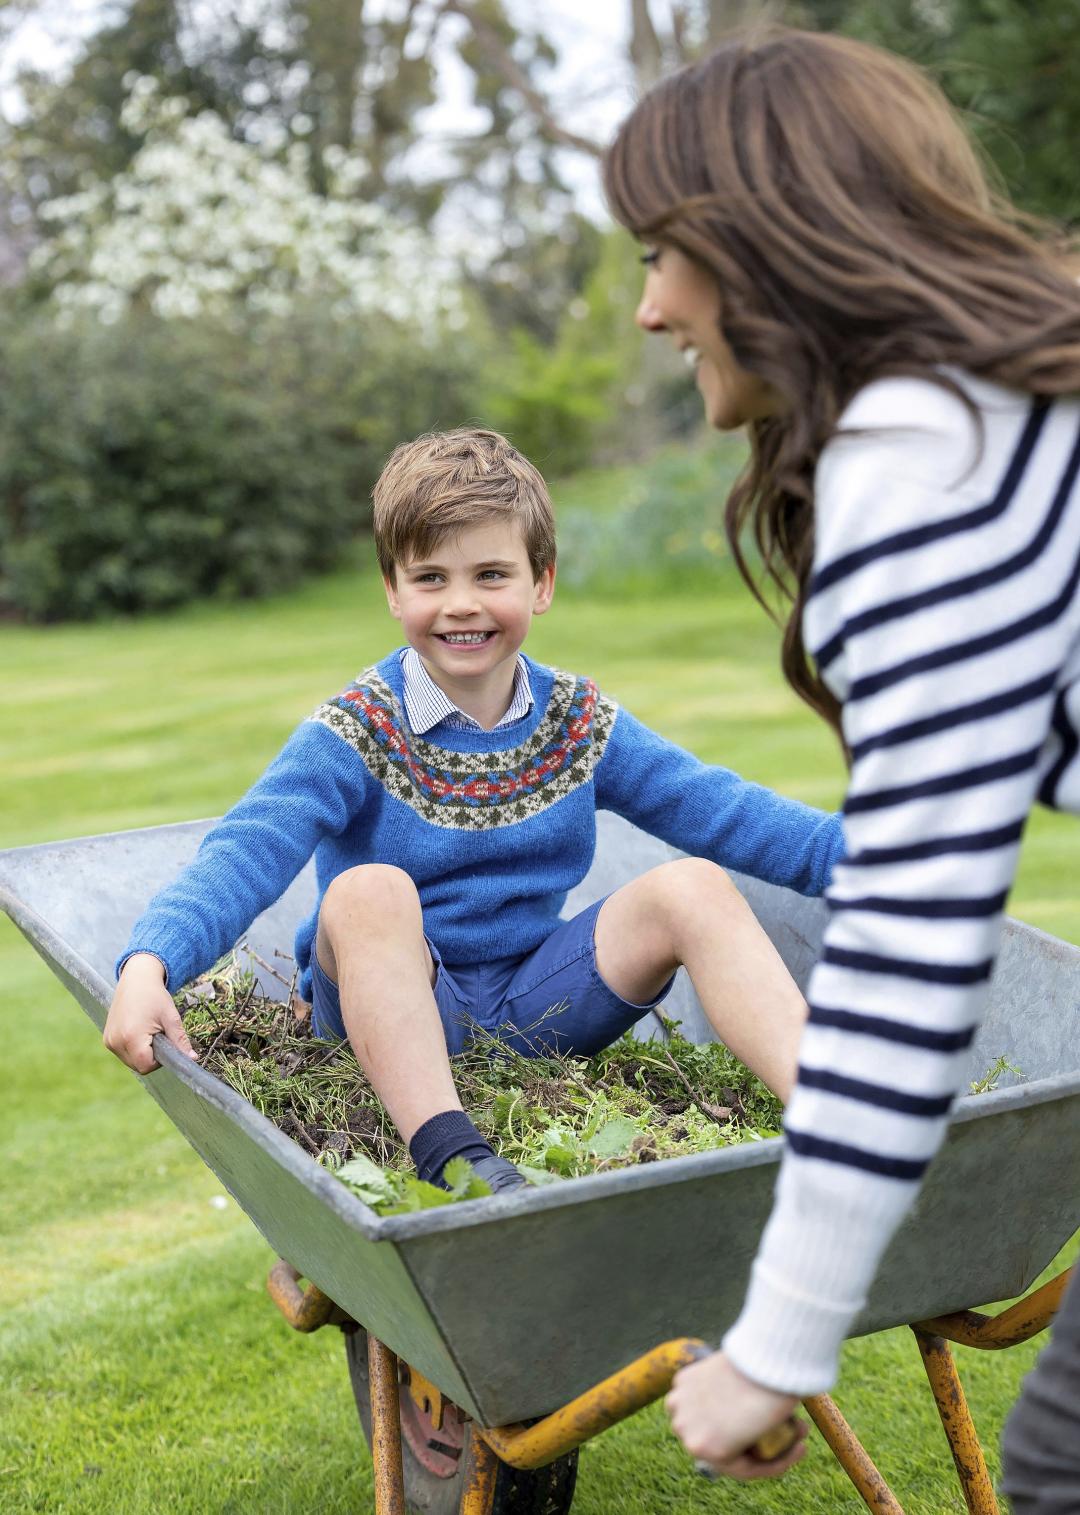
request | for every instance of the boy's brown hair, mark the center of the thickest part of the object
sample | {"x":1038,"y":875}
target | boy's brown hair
{"x":447,"y":481}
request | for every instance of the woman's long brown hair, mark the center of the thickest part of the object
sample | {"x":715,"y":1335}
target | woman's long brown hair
{"x":837,"y":200}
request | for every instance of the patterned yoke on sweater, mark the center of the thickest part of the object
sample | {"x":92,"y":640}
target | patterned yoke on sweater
{"x":493,"y":827}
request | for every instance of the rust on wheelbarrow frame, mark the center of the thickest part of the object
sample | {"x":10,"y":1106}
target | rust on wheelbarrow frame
{"x":650,"y":1376}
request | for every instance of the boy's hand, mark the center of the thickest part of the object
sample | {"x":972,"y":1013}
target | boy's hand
{"x":141,"y":1007}
{"x":718,"y":1413}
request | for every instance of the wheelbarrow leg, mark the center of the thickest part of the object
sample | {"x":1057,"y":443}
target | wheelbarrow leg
{"x":482,"y":1469}
{"x":851,"y":1455}
{"x":385,"y":1430}
{"x":957,"y":1423}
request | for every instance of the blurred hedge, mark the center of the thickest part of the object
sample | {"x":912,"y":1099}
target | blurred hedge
{"x":147,"y":463}
{"x":664,"y":527}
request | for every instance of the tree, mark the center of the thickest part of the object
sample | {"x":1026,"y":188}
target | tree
{"x":199,"y":223}
{"x":1010,"y":65}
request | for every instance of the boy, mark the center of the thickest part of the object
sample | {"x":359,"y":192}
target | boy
{"x":449,"y":799}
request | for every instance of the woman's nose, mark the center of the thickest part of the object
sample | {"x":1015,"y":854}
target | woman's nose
{"x":648,"y":316}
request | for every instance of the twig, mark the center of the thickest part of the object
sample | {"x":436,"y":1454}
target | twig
{"x":268,"y":966}
{"x":230,"y":1025}
{"x":304,"y":1137}
{"x":325,"y":1057}
{"x":718,"y":1113}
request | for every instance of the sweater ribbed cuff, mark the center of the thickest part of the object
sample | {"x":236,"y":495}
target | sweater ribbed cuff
{"x":787,"y":1341}
{"x":817,"y":1259}
{"x":143,"y":952}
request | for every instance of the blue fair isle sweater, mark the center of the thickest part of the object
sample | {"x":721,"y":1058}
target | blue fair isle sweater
{"x":492,"y":827}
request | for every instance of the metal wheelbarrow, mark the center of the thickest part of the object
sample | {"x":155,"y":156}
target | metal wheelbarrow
{"x":480,"y":1410}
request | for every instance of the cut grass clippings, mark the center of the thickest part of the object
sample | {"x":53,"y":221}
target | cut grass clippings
{"x":554,"y":1116}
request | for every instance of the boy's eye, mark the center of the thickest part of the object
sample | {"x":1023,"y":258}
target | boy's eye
{"x":426,"y":578}
{"x":492,"y":573}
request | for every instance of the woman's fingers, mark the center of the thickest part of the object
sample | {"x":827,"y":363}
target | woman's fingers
{"x":719,"y":1414}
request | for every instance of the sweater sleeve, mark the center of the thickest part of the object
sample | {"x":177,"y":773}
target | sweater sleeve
{"x":711,"y":812}
{"x":916,"y":618}
{"x":312,"y":789}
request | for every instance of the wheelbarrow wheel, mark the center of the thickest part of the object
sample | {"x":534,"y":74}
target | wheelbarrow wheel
{"x":433,"y":1458}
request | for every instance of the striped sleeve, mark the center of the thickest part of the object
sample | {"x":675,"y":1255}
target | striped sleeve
{"x":939,"y":614}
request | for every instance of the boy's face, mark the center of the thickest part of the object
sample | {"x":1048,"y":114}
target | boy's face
{"x":466,"y":607}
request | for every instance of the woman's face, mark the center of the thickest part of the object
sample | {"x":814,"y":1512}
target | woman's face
{"x":683,"y":299}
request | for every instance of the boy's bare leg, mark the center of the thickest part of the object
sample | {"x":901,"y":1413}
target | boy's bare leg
{"x":689,"y":913}
{"x":371,"y":943}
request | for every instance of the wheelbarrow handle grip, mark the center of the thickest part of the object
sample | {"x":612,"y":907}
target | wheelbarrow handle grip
{"x":772,"y":1443}
{"x":775,"y":1442}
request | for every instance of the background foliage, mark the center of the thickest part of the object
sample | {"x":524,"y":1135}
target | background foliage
{"x":148,"y":462}
{"x":293,"y":274}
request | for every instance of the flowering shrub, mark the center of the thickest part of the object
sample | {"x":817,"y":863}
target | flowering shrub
{"x":223,"y":361}
{"x":201,"y":224}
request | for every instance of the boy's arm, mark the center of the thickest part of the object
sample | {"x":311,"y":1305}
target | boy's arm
{"x":712,"y":812}
{"x":312,"y":789}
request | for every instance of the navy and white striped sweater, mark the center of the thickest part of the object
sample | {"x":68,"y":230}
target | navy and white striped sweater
{"x":944,"y":615}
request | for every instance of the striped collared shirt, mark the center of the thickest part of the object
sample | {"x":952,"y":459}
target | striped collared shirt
{"x":426,"y":705}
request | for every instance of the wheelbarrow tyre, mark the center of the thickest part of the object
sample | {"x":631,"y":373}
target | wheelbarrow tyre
{"x":518,"y":1491}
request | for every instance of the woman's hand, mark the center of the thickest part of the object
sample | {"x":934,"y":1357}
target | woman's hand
{"x":717,"y":1413}
{"x":141,"y":1007}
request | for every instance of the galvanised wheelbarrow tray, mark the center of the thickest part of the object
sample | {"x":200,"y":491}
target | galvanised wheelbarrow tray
{"x":507,"y":1309}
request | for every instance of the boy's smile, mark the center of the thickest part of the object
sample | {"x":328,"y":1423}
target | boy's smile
{"x":466,"y":608}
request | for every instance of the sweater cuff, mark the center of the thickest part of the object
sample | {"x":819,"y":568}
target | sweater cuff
{"x":786,"y":1340}
{"x":817,"y":1260}
{"x":143,"y":952}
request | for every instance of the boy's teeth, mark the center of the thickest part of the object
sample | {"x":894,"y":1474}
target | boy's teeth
{"x":691,"y":357}
{"x":465,"y":636}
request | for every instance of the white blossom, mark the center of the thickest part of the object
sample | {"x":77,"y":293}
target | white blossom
{"x":200,"y":223}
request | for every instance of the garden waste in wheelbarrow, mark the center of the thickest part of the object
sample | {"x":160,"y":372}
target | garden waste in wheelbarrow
{"x":567,"y":1273}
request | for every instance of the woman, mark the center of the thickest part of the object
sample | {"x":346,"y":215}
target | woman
{"x":823,"y":248}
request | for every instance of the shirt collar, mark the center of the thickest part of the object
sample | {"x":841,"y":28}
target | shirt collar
{"x":426,"y":704}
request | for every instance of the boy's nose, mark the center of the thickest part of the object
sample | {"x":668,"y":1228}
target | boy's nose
{"x":462,"y":602}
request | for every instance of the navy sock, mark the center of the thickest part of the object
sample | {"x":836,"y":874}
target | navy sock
{"x":451,"y":1134}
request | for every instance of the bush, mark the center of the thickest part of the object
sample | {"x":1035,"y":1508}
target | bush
{"x":666,"y":529}
{"x":146,"y":463}
{"x":550,"y":401}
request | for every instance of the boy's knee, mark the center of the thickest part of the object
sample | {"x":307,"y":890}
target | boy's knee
{"x":690,"y":883}
{"x":373,"y":896}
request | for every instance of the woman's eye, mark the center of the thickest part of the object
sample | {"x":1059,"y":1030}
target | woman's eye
{"x":650,"y":257}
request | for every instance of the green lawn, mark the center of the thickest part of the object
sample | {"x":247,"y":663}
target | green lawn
{"x":142,"y":1368}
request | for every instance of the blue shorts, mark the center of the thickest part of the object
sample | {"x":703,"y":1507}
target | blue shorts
{"x":551,"y":1000}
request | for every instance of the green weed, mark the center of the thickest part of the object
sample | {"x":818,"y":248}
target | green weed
{"x":554,"y":1116}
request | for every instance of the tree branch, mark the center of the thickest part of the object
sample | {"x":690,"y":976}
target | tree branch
{"x":646,"y":50}
{"x":503,"y":60}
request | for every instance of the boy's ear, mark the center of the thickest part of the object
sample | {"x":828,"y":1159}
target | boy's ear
{"x":392,"y":598}
{"x":545,"y":590}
